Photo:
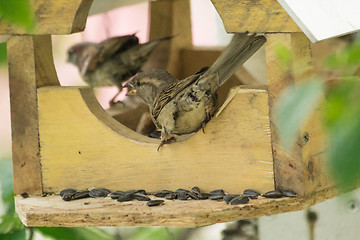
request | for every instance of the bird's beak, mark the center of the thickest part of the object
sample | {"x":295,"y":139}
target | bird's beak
{"x":131,"y":89}
{"x":131,"y":92}
{"x":128,"y":85}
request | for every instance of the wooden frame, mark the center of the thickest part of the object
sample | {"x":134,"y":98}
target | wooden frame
{"x":62,"y":138}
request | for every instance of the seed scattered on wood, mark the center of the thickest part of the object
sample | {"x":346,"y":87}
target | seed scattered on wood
{"x":289,"y":193}
{"x":171,"y":196}
{"x":217,"y":192}
{"x":203,"y":196}
{"x":131,"y":191}
{"x":193,"y":195}
{"x":141,"y":197}
{"x":67,"y":194}
{"x":68,"y":190}
{"x":239,"y":200}
{"x":99,"y":192}
{"x":153,"y":203}
{"x":126,"y":198}
{"x":252,"y":194}
{"x":181,"y":195}
{"x":196,"y":190}
{"x":117,"y":194}
{"x":25,"y":195}
{"x":182,"y":190}
{"x":142,"y":191}
{"x":163,"y":193}
{"x":228,"y":198}
{"x":81,"y":194}
{"x":216,"y":197}
{"x":273,"y":194}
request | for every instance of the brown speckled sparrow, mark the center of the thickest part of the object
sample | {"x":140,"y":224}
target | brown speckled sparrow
{"x":182,"y":107}
{"x":111,"y":62}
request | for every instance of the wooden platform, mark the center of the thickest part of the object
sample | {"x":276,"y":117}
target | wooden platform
{"x":52,"y":211}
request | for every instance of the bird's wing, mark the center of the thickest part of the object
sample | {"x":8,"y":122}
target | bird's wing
{"x":109,"y":47}
{"x":170,"y":92}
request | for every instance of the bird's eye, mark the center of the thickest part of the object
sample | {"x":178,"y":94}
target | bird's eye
{"x":138,"y":84}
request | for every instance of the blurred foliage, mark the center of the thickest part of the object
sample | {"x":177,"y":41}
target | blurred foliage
{"x":346,"y":59}
{"x":340,"y":112}
{"x":3,"y":54}
{"x":284,"y":55}
{"x":294,"y":107}
{"x":18,"y":12}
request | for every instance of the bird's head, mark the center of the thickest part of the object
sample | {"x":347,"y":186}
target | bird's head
{"x":77,"y":51}
{"x":148,"y":84}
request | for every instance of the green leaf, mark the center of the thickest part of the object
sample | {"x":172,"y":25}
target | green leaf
{"x":63,"y":233}
{"x":17,"y":235}
{"x":18,"y":12}
{"x":3,"y":53}
{"x":294,"y":107}
{"x":10,"y":223}
{"x":342,"y":122}
{"x":345,"y":59}
{"x":283,"y":54}
{"x":6,"y":183}
{"x":158,"y":233}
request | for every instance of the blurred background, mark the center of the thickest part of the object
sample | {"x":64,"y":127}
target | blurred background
{"x":336,"y":219}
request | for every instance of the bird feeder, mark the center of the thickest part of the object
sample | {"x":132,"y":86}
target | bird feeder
{"x":62,"y":138}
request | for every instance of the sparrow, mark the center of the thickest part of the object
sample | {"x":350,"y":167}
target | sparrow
{"x":185,"y":106}
{"x":112,"y":61}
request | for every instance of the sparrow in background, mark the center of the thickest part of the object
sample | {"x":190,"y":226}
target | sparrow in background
{"x":112,"y":61}
{"x":183,"y":107}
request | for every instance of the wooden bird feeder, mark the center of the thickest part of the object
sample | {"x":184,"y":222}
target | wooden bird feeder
{"x":62,"y":138}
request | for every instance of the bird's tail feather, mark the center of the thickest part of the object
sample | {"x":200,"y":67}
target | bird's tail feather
{"x":147,"y":48}
{"x":239,"y":50}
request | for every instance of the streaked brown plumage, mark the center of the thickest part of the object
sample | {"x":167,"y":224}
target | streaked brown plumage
{"x":182,"y":107}
{"x":112,"y":61}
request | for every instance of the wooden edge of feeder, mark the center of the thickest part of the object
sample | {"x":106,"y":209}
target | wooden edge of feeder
{"x":52,"y":211}
{"x":53,"y":17}
{"x":248,"y":15}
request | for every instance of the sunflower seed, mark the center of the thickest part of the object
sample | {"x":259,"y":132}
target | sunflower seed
{"x":117,"y":194}
{"x":182,"y":190}
{"x":25,"y":195}
{"x":273,"y":194}
{"x":125,"y":198}
{"x":181,"y":195}
{"x":68,"y":190}
{"x":131,"y":191}
{"x":163,"y":193}
{"x":196,"y":190}
{"x":99,"y":192}
{"x":141,"y":197}
{"x":217,"y":192}
{"x":193,"y":195}
{"x":203,"y":196}
{"x":171,"y":196}
{"x":153,"y":203}
{"x":67,"y":194}
{"x":289,"y":193}
{"x":239,"y":200}
{"x":216,"y":197}
{"x":228,"y":198}
{"x":81,"y":194}
{"x":142,"y":191}
{"x":252,"y":194}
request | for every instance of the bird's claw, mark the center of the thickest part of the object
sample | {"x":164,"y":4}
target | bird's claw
{"x":166,"y":141}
